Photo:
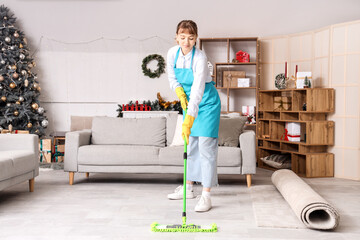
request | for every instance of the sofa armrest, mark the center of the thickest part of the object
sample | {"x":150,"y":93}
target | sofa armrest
{"x":248,"y":151}
{"x":28,"y":142}
{"x":74,"y":140}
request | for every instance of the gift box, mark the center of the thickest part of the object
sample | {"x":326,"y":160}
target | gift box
{"x":60,"y":148}
{"x":244,"y":82}
{"x":293,"y":131}
{"x":5,"y":131}
{"x":230,"y":78}
{"x":248,"y":110}
{"x":282,"y":103}
{"x":300,"y":79}
{"x":45,"y":150}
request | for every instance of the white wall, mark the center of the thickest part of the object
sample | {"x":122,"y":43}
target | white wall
{"x":92,"y":77}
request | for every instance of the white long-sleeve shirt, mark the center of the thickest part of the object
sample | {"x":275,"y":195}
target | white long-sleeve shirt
{"x":201,"y":75}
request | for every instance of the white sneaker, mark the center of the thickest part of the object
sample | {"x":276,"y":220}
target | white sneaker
{"x":203,"y":205}
{"x":178,"y":193}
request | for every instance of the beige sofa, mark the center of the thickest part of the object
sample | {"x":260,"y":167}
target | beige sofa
{"x":142,"y":145}
{"x":19,"y":159}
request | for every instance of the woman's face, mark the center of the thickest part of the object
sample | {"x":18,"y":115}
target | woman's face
{"x":185,"y":40}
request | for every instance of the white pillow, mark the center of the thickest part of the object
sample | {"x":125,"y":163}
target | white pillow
{"x":177,"y":140}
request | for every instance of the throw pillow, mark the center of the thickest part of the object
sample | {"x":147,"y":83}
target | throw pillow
{"x":177,"y":140}
{"x":279,"y":161}
{"x":230,"y":130}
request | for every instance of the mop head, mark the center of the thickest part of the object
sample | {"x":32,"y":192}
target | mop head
{"x":155,"y":227}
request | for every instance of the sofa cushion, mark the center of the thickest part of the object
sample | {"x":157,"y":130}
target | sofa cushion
{"x":16,"y":162}
{"x":173,"y":156}
{"x":118,"y":155}
{"x":230,"y":130}
{"x":129,"y":131}
{"x":229,"y":157}
{"x":6,"y":167}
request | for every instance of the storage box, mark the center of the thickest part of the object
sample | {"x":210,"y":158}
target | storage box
{"x":300,"y":79}
{"x":244,"y":82}
{"x":293,"y":131}
{"x":230,"y":78}
{"x":248,"y":110}
{"x":282,"y":103}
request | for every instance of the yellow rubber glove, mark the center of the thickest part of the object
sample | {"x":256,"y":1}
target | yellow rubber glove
{"x":186,"y":127}
{"x":182,"y":97}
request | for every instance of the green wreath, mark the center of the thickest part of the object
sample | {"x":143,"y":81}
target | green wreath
{"x":160,"y":66}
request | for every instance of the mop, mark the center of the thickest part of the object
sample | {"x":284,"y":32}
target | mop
{"x":155,"y":227}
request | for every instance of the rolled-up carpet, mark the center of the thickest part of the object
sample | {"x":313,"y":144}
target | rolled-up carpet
{"x":313,"y":210}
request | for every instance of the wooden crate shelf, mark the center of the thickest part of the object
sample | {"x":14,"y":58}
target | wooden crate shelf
{"x":309,"y":157}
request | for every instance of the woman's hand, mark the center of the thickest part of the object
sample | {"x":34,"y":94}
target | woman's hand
{"x":182,"y":97}
{"x":186,"y":127}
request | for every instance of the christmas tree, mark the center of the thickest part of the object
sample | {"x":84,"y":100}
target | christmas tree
{"x":19,"y":90}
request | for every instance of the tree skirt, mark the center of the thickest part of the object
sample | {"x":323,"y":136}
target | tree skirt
{"x":312,"y":210}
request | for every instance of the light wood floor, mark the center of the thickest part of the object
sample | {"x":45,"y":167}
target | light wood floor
{"x":122,"y":206}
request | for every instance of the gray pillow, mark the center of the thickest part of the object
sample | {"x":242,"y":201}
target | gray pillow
{"x":230,"y":130}
{"x":129,"y":131}
{"x":279,"y":161}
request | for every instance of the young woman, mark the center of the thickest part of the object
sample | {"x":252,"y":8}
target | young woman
{"x":190,"y":78}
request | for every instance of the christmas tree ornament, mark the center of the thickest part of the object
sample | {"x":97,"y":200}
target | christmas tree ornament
{"x":12,"y":85}
{"x":21,"y":98}
{"x":16,"y":113}
{"x":29,"y":125}
{"x":3,"y":98}
{"x":22,"y":56}
{"x":21,"y":46}
{"x":12,"y":47}
{"x":5,"y":17}
{"x":2,"y":62}
{"x":16,"y":34}
{"x":41,"y":110}
{"x":7,"y":39}
{"x":35,"y":106}
{"x":44,"y":123}
{"x":15,"y":75}
{"x":39,"y":89}
{"x":13,"y":67}
{"x":30,"y":65}
{"x":18,"y":102}
{"x":35,"y":85}
{"x":23,"y":72}
{"x":1,"y":78}
{"x":3,"y":49}
{"x":26,"y":83}
{"x":1,"y":87}
{"x":8,"y":104}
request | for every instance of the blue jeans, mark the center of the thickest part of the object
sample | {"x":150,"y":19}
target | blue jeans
{"x":202,"y":161}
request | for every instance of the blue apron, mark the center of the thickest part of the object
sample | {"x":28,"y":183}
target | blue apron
{"x":207,"y":122}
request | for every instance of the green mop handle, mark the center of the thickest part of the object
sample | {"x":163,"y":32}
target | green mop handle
{"x":184,"y":184}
